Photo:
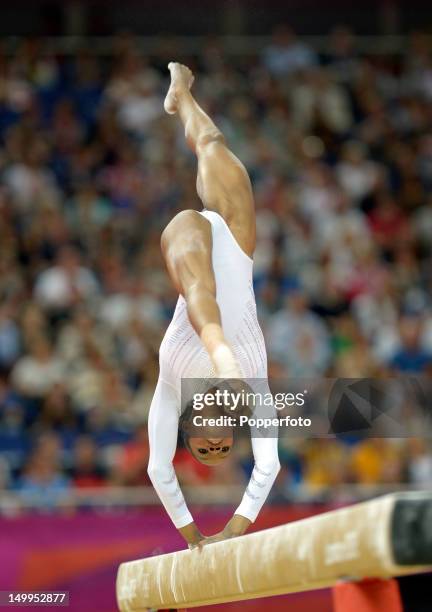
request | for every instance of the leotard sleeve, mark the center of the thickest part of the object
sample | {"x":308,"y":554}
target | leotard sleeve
{"x":163,"y":432}
{"x":267,"y":466}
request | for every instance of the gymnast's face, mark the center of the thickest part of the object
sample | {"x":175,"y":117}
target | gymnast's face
{"x":210,"y":451}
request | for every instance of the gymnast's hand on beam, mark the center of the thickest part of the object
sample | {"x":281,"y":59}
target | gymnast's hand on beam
{"x":218,"y":537}
{"x":235,"y":527}
{"x":192,"y":535}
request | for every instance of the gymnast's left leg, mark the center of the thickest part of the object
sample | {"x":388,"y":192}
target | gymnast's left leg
{"x":187,"y":248}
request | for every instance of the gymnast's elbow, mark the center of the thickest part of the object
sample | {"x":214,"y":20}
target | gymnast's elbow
{"x":269,"y":468}
{"x":159,"y":473}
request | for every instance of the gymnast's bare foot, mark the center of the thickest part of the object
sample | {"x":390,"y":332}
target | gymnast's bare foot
{"x":181,"y":78}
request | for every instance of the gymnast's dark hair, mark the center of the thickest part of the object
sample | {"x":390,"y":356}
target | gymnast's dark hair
{"x":185,"y":419}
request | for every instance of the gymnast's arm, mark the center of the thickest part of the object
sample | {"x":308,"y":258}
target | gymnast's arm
{"x":163,"y":432}
{"x":267,"y":466}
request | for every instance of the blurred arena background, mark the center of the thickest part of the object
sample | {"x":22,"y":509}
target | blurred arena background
{"x":330,"y":109}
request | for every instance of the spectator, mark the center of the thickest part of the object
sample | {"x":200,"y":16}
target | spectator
{"x":35,"y":374}
{"x":317,"y":99}
{"x":133,"y":90}
{"x":420,"y":463}
{"x":356,"y":174}
{"x":298,"y":339}
{"x":64,"y":285}
{"x":86,"y":471}
{"x":133,"y":460}
{"x":31,"y":183}
{"x":286,"y":54}
{"x":42,"y":482}
{"x":411,"y":357}
{"x":10,"y":339}
{"x":376,"y":461}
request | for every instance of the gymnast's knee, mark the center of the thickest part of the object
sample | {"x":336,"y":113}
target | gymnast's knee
{"x":199,"y":289}
{"x":183,"y":219}
{"x":208,"y":138}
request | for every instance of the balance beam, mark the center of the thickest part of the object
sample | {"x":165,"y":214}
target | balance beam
{"x":388,"y":536}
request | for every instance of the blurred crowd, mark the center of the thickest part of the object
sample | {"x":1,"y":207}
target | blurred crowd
{"x":339,"y":149}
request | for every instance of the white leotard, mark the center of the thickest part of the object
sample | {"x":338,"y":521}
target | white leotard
{"x":182,"y":355}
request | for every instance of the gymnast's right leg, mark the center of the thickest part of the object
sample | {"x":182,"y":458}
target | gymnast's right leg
{"x":222,"y":181}
{"x":187,"y":248}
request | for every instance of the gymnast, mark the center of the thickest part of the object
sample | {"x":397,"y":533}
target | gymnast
{"x":214,"y":332}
